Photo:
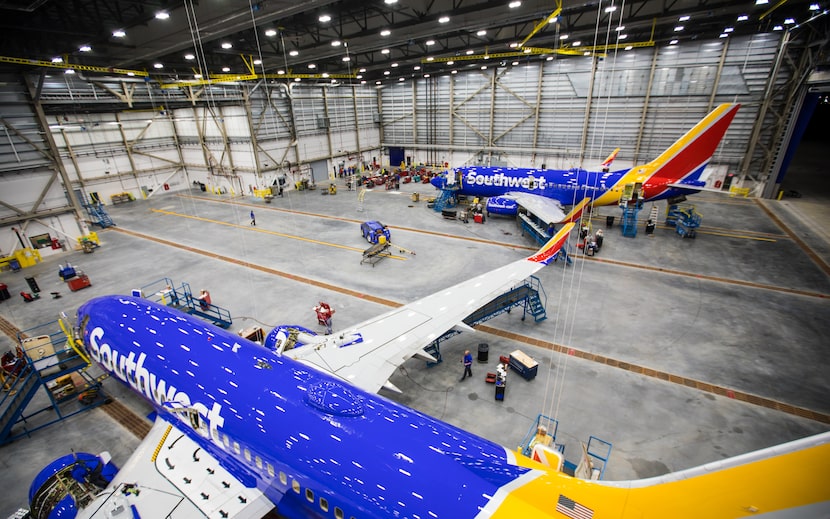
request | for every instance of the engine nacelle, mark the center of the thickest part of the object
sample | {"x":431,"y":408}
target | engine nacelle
{"x":65,"y":485}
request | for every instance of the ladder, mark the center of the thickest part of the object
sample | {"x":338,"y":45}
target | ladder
{"x":445,"y":199}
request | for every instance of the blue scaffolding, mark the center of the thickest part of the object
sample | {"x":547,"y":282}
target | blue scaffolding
{"x":165,"y":292}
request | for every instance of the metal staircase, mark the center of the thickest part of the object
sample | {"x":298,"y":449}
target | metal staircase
{"x":629,"y":219}
{"x":530,"y":295}
{"x":445,"y":199}
{"x":163,"y":291}
{"x":98,"y":215}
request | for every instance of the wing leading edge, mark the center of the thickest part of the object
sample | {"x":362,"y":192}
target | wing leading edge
{"x":390,"y":339}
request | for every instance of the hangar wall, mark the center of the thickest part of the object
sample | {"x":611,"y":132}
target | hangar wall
{"x":128,"y":135}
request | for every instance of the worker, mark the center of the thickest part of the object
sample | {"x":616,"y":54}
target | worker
{"x":204,"y":299}
{"x":599,"y":238}
{"x":467,"y":360}
{"x":324,"y":313}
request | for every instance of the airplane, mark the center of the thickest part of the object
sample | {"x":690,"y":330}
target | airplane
{"x":675,"y":172}
{"x":244,"y":429}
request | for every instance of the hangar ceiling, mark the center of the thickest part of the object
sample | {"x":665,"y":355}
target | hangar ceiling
{"x":210,"y":37}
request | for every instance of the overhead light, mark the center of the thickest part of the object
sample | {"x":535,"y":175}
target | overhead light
{"x":610,"y":8}
{"x":394,"y":65}
{"x":553,"y":20}
{"x":673,"y":42}
{"x":743,"y":18}
{"x":430,"y":58}
{"x":362,"y":82}
{"x":226,"y":45}
{"x":514,"y":45}
{"x":360,"y":76}
{"x":197,"y":76}
{"x":257,"y":62}
{"x":527,"y":51}
{"x":401,"y":79}
{"x":678,"y":28}
{"x":377,"y":82}
{"x":57,"y":60}
{"x":362,"y":71}
{"x":629,"y":47}
{"x":619,"y":28}
{"x":515,"y":63}
{"x":444,"y":19}
{"x":226,"y":69}
{"x":85,"y":48}
{"x":429,"y":42}
{"x":450,"y":63}
{"x":118,"y":33}
{"x":789,"y":21}
{"x":778,"y":28}
{"x":131,"y":74}
{"x":324,"y":18}
{"x":346,"y":58}
{"x":761,"y":2}
{"x":622,"y":36}
{"x":271,"y":32}
{"x":69,"y":71}
{"x":514,"y":4}
{"x":158,"y":65}
{"x":336,"y":43}
{"x":563,"y":37}
{"x":814,"y":7}
{"x":729,"y":29}
{"x":386,"y":72}
{"x":454,"y":72}
{"x":325,"y":74}
{"x":189,"y":56}
{"x":684,"y":18}
{"x":297,"y":80}
{"x":549,"y":58}
{"x":293,"y":53}
{"x":481,"y":33}
{"x":385,"y":32}
{"x":162,"y":15}
{"x":390,"y":2}
{"x":723,"y":35}
{"x":384,"y":51}
{"x":484,"y":67}
{"x":576,"y":43}
{"x":416,"y":67}
{"x":312,"y":65}
{"x":469,"y":52}
{"x":280,"y":72}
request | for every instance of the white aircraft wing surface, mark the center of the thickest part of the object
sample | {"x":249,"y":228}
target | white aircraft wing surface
{"x":546,"y":209}
{"x":367,"y":354}
{"x":169,"y":475}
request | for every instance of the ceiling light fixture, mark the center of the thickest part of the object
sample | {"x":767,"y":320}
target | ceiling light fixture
{"x":69,"y":71}
{"x":430,"y":58}
{"x":416,"y":67}
{"x":469,"y":52}
{"x":271,"y":33}
{"x":684,"y":18}
{"x":620,"y":28}
{"x":312,"y":65}
{"x":226,"y":69}
{"x":778,"y":28}
{"x":514,"y":4}
{"x":481,"y":33}
{"x":118,"y":33}
{"x":673,"y":42}
{"x":384,"y":51}
{"x":85,"y":48}
{"x":444,"y":19}
{"x":162,"y":15}
{"x":450,"y":63}
{"x":294,"y":53}
{"x":629,"y":47}
{"x":390,"y":2}
{"x":325,"y":74}
{"x":57,"y":60}
{"x":563,"y":37}
{"x":678,"y":28}
{"x":743,"y":18}
{"x":761,"y":2}
{"x":394,"y":65}
{"x":346,"y":58}
{"x":814,"y":7}
{"x":386,"y":72}
{"x":257,"y":62}
{"x":789,"y":21}
{"x":336,"y":43}
{"x":189,"y":56}
{"x":429,"y":42}
{"x":385,"y":32}
{"x":610,"y":8}
{"x":729,"y":29}
{"x":226,"y":45}
{"x":158,"y":65}
{"x":324,"y":18}
{"x":454,"y":72}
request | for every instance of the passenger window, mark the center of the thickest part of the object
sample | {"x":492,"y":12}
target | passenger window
{"x":295,"y":485}
{"x":338,"y":514}
{"x":247,"y":454}
{"x":309,"y":495}
{"x":271,"y":470}
{"x":236,"y":446}
{"x":324,"y":504}
{"x":283,"y":478}
{"x":258,"y":462}
{"x":226,"y":440}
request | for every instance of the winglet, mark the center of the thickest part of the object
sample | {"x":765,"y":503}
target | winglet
{"x":549,"y":251}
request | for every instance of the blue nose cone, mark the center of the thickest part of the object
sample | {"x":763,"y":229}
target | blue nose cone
{"x":438,"y":181}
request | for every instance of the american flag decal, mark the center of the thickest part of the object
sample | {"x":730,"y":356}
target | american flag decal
{"x":573,"y":509}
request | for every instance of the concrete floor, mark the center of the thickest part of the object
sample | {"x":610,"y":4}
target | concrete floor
{"x":743,"y":307}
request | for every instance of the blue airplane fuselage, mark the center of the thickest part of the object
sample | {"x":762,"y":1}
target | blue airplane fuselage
{"x":265,"y":415}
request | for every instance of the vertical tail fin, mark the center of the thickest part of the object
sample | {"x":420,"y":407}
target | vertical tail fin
{"x":688,"y":156}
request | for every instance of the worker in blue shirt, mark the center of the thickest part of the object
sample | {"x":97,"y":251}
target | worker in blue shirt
{"x":468,"y":364}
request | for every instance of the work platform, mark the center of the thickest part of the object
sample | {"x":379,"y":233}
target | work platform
{"x":165,"y":292}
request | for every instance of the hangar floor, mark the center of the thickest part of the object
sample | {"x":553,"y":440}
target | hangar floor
{"x":677,"y":351}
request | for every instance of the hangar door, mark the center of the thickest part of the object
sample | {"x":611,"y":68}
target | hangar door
{"x":319,"y":171}
{"x":395,"y":156}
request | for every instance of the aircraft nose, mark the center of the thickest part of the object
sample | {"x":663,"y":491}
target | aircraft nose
{"x":438,"y":181}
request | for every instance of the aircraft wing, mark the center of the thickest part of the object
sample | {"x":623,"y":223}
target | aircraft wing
{"x":546,"y":209}
{"x":169,"y":475}
{"x":367,"y":354}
